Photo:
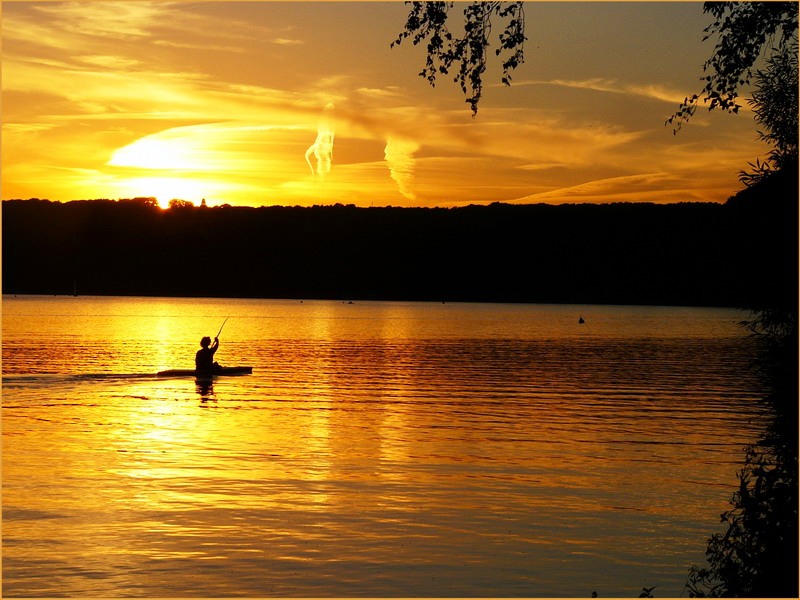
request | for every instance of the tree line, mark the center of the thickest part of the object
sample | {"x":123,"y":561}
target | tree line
{"x":629,"y":253}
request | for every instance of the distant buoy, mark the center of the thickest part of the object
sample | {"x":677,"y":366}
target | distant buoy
{"x":580,"y":320}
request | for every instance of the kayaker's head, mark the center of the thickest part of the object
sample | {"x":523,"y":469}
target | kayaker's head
{"x":205,"y":342}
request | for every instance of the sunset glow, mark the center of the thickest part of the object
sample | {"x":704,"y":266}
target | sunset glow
{"x":241,"y":103}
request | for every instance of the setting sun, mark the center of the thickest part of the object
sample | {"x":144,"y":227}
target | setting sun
{"x":165,"y":189}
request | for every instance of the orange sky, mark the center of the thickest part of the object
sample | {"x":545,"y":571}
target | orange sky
{"x":300,"y":103}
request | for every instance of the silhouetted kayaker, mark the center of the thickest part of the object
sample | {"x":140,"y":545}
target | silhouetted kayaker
{"x":204,"y":359}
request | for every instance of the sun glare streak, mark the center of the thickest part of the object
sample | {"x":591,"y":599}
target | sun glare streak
{"x":152,"y":153}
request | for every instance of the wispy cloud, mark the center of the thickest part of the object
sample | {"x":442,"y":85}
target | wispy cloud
{"x":203,"y":45}
{"x":613,"y":86}
{"x":26,"y":127}
{"x":110,"y":62}
{"x":636,"y":187}
{"x":288,"y":42}
{"x":382,"y":93}
{"x":543,"y":166}
{"x":106,"y":19}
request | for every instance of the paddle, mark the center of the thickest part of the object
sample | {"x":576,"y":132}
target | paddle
{"x":223,"y":325}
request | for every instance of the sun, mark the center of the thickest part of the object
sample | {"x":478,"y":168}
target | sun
{"x":165,"y":189}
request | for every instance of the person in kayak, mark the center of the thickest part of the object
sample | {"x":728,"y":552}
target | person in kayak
{"x":204,"y":359}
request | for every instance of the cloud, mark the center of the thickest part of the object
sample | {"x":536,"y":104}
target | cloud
{"x":110,"y":62}
{"x":399,"y":155}
{"x":596,"y":84}
{"x":634,"y":187}
{"x":26,"y":127}
{"x":288,"y":42}
{"x":382,"y":93}
{"x":93,"y":27}
{"x":106,"y":19}
{"x":613,"y":86}
{"x":535,"y":138}
{"x":200,"y":45}
{"x":543,"y":166}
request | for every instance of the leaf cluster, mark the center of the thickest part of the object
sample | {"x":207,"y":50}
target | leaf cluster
{"x":744,"y":30}
{"x":751,"y":557}
{"x":775,"y":105}
{"x":466,"y":54}
{"x":775,"y":323}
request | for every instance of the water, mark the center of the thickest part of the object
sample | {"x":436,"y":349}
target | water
{"x":378,"y":449}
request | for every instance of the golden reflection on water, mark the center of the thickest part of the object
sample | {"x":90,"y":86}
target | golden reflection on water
{"x":376,"y":450}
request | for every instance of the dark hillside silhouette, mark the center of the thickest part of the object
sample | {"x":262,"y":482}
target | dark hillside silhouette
{"x":682,"y":254}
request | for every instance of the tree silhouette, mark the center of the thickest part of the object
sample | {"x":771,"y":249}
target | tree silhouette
{"x":178,"y":203}
{"x":774,"y":105}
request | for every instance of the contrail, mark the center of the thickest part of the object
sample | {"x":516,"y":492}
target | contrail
{"x":399,"y":154}
{"x":322,"y":148}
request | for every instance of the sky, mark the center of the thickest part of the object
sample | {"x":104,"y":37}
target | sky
{"x":302,"y":103}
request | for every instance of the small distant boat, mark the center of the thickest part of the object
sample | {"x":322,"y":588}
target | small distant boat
{"x":580,"y":320}
{"x":206,"y":374}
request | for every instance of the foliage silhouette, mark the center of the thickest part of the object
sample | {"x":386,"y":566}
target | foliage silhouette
{"x":775,"y":313}
{"x":775,"y":106}
{"x":756,"y":555}
{"x":745,"y":30}
{"x":468,"y":51}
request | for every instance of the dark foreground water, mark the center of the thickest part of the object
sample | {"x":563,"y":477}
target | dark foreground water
{"x":378,"y":449}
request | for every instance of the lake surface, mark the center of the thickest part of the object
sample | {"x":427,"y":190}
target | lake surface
{"x":378,"y":449}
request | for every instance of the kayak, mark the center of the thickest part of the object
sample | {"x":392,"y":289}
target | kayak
{"x":214,"y":373}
